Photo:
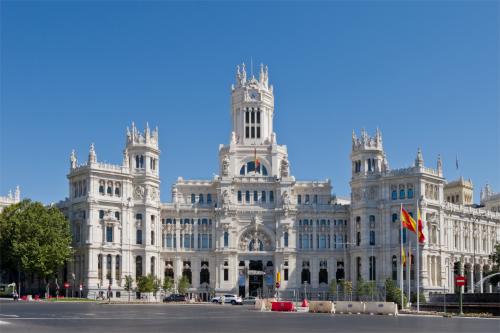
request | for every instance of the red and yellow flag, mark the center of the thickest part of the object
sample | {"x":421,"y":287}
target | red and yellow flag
{"x":421,"y":237}
{"x":408,"y":221}
{"x":256,"y":160}
{"x":403,"y":256}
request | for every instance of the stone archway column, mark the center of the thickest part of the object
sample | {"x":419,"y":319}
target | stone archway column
{"x":481,"y":290}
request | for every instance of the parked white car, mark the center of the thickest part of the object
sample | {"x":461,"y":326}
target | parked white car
{"x":233,"y":299}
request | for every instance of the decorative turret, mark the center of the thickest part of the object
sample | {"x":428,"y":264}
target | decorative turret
{"x":252,"y":108}
{"x":367,"y":154}
{"x":92,"y":154}
{"x":17,"y":194}
{"x":365,"y":142}
{"x":135,"y":137}
{"x":141,"y":154}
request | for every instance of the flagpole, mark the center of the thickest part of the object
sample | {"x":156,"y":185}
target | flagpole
{"x":401,"y":256}
{"x":419,"y":217}
{"x":408,"y":269}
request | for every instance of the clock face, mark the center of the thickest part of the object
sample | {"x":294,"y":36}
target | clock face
{"x":254,"y":95}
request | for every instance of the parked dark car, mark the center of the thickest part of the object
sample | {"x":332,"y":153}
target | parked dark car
{"x":175,"y":298}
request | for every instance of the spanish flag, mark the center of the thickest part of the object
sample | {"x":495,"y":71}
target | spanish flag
{"x":256,"y":160}
{"x":421,"y":237}
{"x":408,"y":221}
{"x":403,"y":256}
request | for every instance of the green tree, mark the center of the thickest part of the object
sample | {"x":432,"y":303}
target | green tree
{"x":332,"y":288}
{"x":346,"y":287}
{"x":183,"y":285}
{"x":146,"y":284}
{"x":156,"y":285}
{"x":128,"y":285}
{"x":393,"y":293}
{"x":168,"y":284}
{"x":34,"y":238}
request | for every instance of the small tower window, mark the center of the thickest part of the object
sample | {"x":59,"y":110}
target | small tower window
{"x":247,"y":196}
{"x":239,"y":196}
{"x":271,"y":196}
{"x":263,"y":196}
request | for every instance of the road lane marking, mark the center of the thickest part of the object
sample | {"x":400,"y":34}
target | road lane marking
{"x":6,"y":315}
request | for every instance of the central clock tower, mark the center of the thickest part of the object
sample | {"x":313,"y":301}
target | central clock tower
{"x":252,"y":108}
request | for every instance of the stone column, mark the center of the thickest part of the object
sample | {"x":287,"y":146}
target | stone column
{"x":471,"y":278}
{"x":113,"y":271}
{"x":480,"y":279}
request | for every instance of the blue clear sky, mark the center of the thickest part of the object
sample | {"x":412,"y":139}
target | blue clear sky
{"x":72,"y":73}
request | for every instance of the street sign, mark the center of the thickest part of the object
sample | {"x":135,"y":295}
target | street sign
{"x":66,"y":285}
{"x":460,"y":280}
{"x":277,"y":285}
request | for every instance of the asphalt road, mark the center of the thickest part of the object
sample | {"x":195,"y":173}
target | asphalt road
{"x":38,"y":317}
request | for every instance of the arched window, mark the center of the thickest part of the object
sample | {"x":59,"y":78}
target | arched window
{"x":249,"y":167}
{"x":401,"y":192}
{"x":305,"y":276}
{"x":373,"y":272}
{"x":410,"y":192}
{"x":118,"y":269}
{"x":109,"y":190}
{"x":117,"y":215}
{"x":117,"y":189}
{"x":108,"y":268}
{"x":141,"y":162}
{"x":251,"y":246}
{"x":200,"y":198}
{"x":101,"y":187}
{"x":204,"y":273}
{"x":138,"y":267}
{"x":209,"y":198}
{"x":137,"y":162}
{"x":285,"y":238}
{"x":99,"y":267}
{"x":193,"y":198}
{"x":138,"y":236}
{"x":323,"y":276}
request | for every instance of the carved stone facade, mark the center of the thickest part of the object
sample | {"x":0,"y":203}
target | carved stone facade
{"x":234,"y":232}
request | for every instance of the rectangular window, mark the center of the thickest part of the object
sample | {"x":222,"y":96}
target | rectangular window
{"x":255,"y":196}
{"x":299,"y":199}
{"x":138,"y":236}
{"x":315,"y":199}
{"x":226,"y":274}
{"x":307,"y":199}
{"x":253,"y":132}
{"x":258,"y":132}
{"x":109,"y":234}
{"x":253,"y":117}
{"x":247,"y":196}
{"x":247,"y":132}
{"x":271,"y":196}
{"x":258,"y":117}
{"x":247,"y":117}
{"x":285,"y":274}
{"x":263,"y":196}
{"x":239,"y":196}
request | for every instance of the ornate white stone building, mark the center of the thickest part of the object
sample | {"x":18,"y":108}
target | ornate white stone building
{"x":233,"y":233}
{"x":10,"y":198}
